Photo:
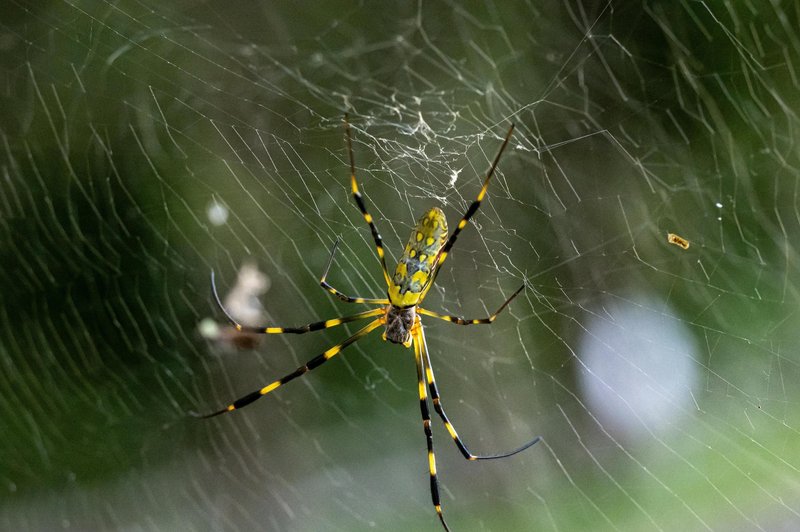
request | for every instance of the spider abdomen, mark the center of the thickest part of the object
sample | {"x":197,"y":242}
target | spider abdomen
{"x":410,"y":280}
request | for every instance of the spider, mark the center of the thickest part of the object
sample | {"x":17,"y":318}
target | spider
{"x":399,"y":313}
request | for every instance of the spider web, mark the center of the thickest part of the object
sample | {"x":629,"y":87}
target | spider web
{"x":144,"y":145}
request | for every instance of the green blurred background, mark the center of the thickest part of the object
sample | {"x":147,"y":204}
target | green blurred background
{"x":145,"y":144}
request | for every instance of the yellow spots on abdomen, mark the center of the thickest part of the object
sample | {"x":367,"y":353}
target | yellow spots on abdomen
{"x":414,"y":267}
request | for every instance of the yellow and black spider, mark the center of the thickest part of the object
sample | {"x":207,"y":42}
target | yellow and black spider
{"x":416,"y":271}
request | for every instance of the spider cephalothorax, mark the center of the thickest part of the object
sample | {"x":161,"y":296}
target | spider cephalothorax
{"x":398,"y":324}
{"x":400,"y":313}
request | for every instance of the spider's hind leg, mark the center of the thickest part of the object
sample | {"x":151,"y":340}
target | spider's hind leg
{"x":376,"y":236}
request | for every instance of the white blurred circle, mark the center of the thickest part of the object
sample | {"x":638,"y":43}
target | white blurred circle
{"x":638,"y":373}
{"x":217,"y":213}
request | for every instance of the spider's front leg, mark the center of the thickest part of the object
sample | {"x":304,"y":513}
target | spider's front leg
{"x":419,"y":342}
{"x":314,"y":363}
{"x":426,"y":419}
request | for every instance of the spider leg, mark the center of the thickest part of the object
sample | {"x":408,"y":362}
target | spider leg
{"x":437,"y":405}
{"x":347,"y":299}
{"x":302,"y":370}
{"x":316,"y":326}
{"x":464,"y":321}
{"x":360,"y":202}
{"x":426,"y":419}
{"x":442,"y":255}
